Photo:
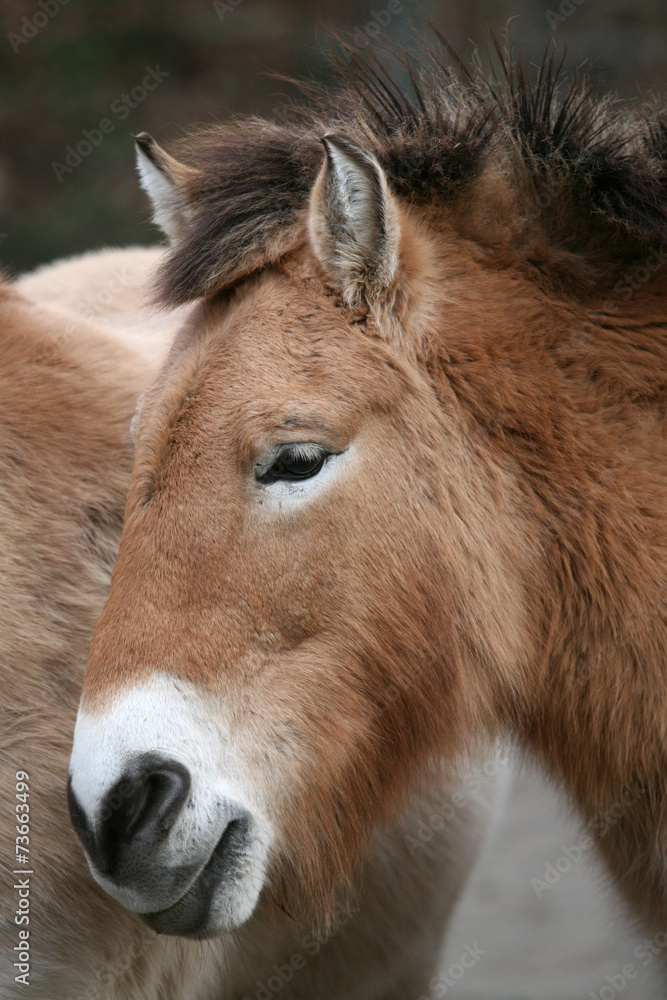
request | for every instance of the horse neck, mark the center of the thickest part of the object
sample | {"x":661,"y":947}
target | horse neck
{"x":570,"y":401}
{"x":598,"y":711}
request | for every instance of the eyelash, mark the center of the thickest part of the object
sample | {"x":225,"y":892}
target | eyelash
{"x":295,"y":463}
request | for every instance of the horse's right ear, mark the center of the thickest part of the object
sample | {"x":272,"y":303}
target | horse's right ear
{"x":165,"y":180}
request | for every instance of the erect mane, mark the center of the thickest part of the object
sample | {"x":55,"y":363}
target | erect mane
{"x":581,"y":160}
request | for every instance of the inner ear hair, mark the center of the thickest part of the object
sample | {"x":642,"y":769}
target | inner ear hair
{"x":356,"y":200}
{"x":165,"y":180}
{"x":353,"y":225}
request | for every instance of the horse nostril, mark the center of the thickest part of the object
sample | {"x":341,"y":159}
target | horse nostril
{"x":155,"y":801}
{"x":142,"y":806}
{"x":145,"y":804}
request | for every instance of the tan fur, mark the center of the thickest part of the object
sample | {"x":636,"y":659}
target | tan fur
{"x":67,"y":390}
{"x":112,"y":288}
{"x":497,"y":553}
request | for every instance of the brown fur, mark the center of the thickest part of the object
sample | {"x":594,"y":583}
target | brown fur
{"x":498,"y":556}
{"x":67,"y":390}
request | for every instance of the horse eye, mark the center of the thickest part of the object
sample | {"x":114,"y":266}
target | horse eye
{"x":295,"y":462}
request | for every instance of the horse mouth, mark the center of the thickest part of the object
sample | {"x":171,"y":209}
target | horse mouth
{"x":207,"y":907}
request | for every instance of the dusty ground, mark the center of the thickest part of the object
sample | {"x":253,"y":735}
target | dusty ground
{"x":571,"y":943}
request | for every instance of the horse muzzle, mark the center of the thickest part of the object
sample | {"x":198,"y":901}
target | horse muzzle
{"x":163,"y":833}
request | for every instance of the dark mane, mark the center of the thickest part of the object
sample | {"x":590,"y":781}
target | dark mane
{"x":580,"y":161}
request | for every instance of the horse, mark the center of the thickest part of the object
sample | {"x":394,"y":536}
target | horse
{"x":74,"y":363}
{"x":410,"y":440}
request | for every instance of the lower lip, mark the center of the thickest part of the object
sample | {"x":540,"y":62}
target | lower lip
{"x":189,"y":916}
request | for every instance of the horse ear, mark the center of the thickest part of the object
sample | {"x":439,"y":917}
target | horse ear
{"x":165,"y":180}
{"x":353,"y":222}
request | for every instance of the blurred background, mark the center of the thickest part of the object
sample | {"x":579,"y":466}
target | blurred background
{"x":68,"y":65}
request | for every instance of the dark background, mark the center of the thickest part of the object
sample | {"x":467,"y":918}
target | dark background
{"x":63,"y":69}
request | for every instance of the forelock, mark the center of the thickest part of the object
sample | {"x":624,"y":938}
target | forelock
{"x":432,"y":138}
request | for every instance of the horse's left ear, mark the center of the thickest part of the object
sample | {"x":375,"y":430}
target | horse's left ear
{"x":353,"y":222}
{"x":165,"y":180}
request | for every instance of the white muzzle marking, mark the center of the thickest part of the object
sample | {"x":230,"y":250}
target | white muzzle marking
{"x":166,"y":718}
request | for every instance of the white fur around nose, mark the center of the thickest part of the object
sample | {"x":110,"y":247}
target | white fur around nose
{"x":169,"y":716}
